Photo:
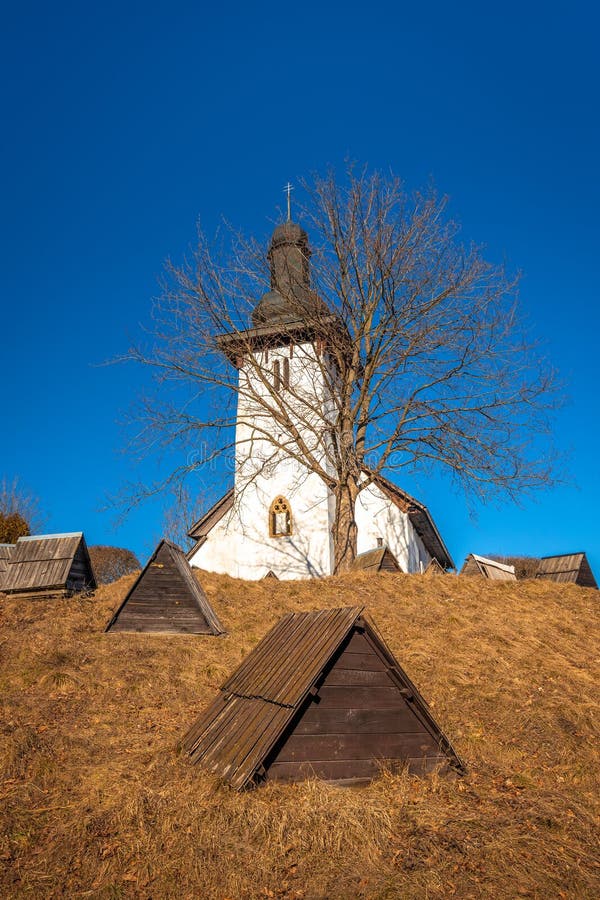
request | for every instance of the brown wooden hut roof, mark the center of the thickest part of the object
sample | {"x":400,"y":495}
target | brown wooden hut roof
{"x":5,"y":554}
{"x":320,"y":693}
{"x":166,"y":598}
{"x":482,"y":567}
{"x":49,"y":563}
{"x":568,"y":567}
{"x":376,"y":560}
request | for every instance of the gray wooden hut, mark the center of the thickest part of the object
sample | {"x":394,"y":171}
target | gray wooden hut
{"x":166,"y":598}
{"x":320,"y":695}
{"x":482,"y":567}
{"x":380,"y":559}
{"x":572,"y":568}
{"x":49,"y":566}
{"x":5,"y":554}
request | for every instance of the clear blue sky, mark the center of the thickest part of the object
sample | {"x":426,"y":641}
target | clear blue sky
{"x":122,"y":123}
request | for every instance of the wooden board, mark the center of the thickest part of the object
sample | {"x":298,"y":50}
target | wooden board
{"x":359,"y":721}
{"x":361,"y":713}
{"x":359,"y":771}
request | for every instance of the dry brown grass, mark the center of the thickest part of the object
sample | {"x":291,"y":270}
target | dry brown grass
{"x":95,"y":801}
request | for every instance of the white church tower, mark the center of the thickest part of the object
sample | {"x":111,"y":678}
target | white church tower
{"x":277,"y":518}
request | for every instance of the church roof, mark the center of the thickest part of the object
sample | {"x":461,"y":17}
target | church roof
{"x":211,"y":517}
{"x":420,"y":518}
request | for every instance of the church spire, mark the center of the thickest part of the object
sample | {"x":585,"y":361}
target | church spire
{"x":288,"y":256}
{"x":288,"y":190}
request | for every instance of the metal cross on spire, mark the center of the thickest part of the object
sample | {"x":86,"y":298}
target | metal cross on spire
{"x":288,"y":190}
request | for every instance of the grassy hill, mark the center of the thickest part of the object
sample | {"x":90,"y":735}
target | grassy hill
{"x":95,"y":800}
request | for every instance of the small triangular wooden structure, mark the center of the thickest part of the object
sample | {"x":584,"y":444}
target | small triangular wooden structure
{"x":434,"y":568}
{"x":166,"y":598}
{"x":321,"y":695}
{"x":271,"y":574}
{"x":476,"y":566}
{"x":380,"y":559}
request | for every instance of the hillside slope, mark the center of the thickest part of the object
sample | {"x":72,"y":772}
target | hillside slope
{"x":96,"y":801}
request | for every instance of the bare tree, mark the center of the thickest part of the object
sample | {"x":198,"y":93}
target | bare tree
{"x":19,"y":512}
{"x":413,"y":340}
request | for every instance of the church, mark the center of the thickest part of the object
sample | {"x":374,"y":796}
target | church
{"x":276,"y":520}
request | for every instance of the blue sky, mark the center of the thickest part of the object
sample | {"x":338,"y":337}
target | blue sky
{"x":124,"y":123}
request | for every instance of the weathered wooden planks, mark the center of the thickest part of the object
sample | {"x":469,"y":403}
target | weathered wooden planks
{"x":50,"y":565}
{"x":166,"y":598}
{"x":320,"y":694}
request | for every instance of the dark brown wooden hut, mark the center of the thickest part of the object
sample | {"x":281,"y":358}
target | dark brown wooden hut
{"x":481,"y":567}
{"x":5,"y":554}
{"x":380,"y":559}
{"x":49,"y":565}
{"x":166,"y":598}
{"x":571,"y":568}
{"x":321,"y":695}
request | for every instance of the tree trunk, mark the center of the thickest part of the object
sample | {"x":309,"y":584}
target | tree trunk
{"x":344,"y":528}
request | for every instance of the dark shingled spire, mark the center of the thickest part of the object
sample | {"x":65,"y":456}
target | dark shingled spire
{"x":288,"y":255}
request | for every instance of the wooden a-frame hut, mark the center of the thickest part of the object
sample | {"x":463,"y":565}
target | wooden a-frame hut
{"x":5,"y":554}
{"x":434,"y":568}
{"x":166,"y":598}
{"x":380,"y":559}
{"x":481,"y":567}
{"x":571,"y":568}
{"x":320,"y":695}
{"x":49,"y":566}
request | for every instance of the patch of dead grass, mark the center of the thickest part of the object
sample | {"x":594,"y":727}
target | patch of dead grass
{"x":96,"y":801}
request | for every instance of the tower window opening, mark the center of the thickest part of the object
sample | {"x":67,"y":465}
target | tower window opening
{"x":280,"y":518}
{"x":277,"y":375}
{"x":286,"y":373}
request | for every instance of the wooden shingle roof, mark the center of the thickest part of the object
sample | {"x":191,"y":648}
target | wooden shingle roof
{"x":44,"y":563}
{"x":571,"y":568}
{"x":261,"y":701}
{"x":483,"y":567}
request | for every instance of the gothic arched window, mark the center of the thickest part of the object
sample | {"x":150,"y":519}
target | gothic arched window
{"x":280,"y":518}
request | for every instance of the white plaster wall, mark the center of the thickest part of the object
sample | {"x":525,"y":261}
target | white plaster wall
{"x":377,"y":517}
{"x":240,"y":545}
